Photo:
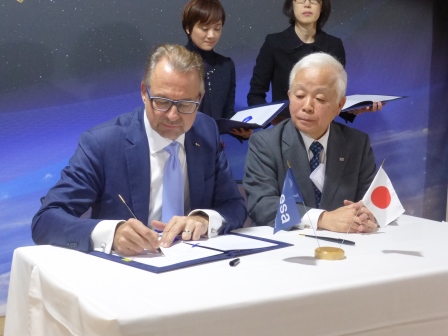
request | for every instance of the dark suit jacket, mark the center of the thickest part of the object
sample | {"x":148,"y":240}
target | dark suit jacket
{"x":278,"y":55}
{"x":350,"y":168}
{"x":112,"y":159}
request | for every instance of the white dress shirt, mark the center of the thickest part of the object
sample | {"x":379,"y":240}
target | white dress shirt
{"x":158,"y":157}
{"x":103,"y":234}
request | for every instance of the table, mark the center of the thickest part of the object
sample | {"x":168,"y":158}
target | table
{"x":393,"y":282}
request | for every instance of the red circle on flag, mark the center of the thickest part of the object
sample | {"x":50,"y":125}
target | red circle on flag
{"x":381,"y":197}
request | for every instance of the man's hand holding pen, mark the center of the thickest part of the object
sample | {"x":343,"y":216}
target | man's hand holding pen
{"x":190,"y":227}
{"x":133,"y":237}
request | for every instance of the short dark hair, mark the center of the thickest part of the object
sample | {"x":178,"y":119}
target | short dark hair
{"x":288,"y":10}
{"x":202,"y":11}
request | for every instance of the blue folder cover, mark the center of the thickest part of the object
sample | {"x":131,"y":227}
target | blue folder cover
{"x":226,"y":125}
{"x":224,"y":255}
{"x":365,"y":103}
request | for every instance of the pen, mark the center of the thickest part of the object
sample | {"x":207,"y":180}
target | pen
{"x":333,"y":240}
{"x":122,"y":199}
{"x":234,"y":262}
{"x":249,"y":118}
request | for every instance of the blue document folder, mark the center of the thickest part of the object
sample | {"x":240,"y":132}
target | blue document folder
{"x":221,"y":255}
{"x":357,"y":101}
{"x":257,"y":116}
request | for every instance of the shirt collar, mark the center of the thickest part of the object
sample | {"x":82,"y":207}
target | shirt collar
{"x":209,"y":56}
{"x":293,"y":41}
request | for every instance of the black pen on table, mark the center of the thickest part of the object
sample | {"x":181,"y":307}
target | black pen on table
{"x":234,"y":262}
{"x":333,"y":240}
{"x":133,"y":215}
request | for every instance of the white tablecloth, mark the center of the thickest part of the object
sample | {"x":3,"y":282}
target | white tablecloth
{"x":393,"y":282}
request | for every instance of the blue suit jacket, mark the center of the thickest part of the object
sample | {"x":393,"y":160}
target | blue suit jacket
{"x":112,"y":159}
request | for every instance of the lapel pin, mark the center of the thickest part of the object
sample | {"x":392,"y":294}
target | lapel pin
{"x":198,"y":145}
{"x":341,"y":159}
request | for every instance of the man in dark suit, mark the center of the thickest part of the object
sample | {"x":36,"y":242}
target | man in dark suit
{"x":344,"y":163}
{"x":126,"y":156}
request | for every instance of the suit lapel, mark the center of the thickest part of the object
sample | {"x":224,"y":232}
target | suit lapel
{"x":137,"y":162}
{"x":195,"y":163}
{"x":294,"y":151}
{"x":337,"y":158}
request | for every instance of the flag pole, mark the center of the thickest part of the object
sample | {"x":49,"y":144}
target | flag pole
{"x":308,"y":215}
{"x":381,"y":166}
{"x":323,"y":252}
{"x":356,"y":214}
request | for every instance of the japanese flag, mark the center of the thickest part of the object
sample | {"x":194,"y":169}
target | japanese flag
{"x":382,"y":200}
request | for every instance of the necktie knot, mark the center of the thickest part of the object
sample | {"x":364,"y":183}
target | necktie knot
{"x":172,"y":148}
{"x":316,"y":148}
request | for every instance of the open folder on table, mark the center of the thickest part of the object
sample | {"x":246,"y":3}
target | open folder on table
{"x":258,"y":116}
{"x":357,"y":101}
{"x":189,"y":253}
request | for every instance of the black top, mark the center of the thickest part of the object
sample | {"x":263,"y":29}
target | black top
{"x":278,"y":55}
{"x":219,"y":97}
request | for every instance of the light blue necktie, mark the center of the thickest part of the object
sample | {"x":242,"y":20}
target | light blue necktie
{"x":316,"y":148}
{"x":173,"y":185}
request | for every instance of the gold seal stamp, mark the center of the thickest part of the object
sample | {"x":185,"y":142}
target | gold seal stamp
{"x":329,"y":253}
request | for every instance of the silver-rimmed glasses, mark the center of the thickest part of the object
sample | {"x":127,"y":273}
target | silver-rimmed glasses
{"x":164,"y":104}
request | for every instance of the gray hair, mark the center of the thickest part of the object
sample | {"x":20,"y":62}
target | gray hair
{"x":179,"y":58}
{"x":322,"y":60}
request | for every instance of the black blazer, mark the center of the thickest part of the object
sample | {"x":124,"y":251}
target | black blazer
{"x":278,"y":55}
{"x":220,"y":83}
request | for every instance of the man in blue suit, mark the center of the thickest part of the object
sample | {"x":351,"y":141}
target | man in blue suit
{"x":126,"y":156}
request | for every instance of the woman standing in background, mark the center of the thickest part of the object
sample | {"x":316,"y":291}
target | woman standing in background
{"x":202,"y":21}
{"x":281,"y":51}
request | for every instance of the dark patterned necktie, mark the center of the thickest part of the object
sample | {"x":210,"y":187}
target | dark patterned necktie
{"x":316,"y":148}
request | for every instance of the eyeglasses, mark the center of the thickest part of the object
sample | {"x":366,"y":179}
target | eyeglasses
{"x":313,"y":2}
{"x":164,"y":104}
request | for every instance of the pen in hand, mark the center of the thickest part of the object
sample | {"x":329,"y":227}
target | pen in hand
{"x":133,"y":215}
{"x":333,"y":240}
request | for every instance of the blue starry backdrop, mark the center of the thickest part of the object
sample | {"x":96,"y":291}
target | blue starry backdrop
{"x":68,"y":65}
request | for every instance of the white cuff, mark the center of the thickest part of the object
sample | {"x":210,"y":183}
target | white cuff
{"x":215,"y":221}
{"x":103,"y":235}
{"x":310,"y":219}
